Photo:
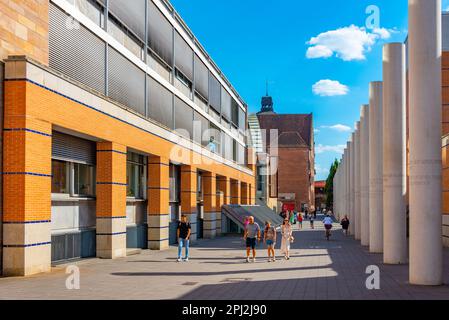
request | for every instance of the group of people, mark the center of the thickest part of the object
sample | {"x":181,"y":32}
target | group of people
{"x":252,"y":235}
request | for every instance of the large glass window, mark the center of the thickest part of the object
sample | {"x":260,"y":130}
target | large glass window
{"x":60,"y":177}
{"x":73,"y":179}
{"x":160,"y":34}
{"x":125,"y":38}
{"x":135,"y":176}
{"x":83,"y":180}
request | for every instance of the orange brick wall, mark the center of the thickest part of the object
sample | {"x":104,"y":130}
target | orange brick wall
{"x":111,"y":180}
{"x":24,"y":29}
{"x":158,"y":184}
{"x":210,"y":192}
{"x":188,"y":189}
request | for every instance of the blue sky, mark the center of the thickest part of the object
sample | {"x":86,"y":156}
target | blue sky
{"x":294,"y":45}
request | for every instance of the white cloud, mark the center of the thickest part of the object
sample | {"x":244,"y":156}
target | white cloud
{"x":348,"y":43}
{"x":320,"y":170}
{"x":329,"y":88}
{"x":334,"y":149}
{"x":316,"y":130}
{"x":338,"y":127}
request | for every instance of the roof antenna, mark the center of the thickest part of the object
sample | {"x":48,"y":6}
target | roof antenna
{"x":267,"y":88}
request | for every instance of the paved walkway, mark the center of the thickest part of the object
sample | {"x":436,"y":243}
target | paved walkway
{"x":318,"y":269}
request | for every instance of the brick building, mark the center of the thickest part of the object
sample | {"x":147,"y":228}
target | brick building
{"x":290,"y":139}
{"x":116,"y":121}
{"x":320,"y":195}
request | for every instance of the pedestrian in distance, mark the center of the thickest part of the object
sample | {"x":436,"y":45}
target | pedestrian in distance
{"x":252,"y":235}
{"x":183,"y":234}
{"x":300,"y":219}
{"x":287,"y":238}
{"x":311,"y":219}
{"x":345,"y":224}
{"x":269,"y":237}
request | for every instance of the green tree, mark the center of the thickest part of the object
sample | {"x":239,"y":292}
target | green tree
{"x":329,"y":188}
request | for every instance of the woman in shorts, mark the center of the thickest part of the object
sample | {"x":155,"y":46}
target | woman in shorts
{"x":269,"y":237}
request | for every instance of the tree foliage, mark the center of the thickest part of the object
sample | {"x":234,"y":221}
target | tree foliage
{"x":329,"y":188}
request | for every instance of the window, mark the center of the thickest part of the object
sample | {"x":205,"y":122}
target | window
{"x":135,"y":176}
{"x":83,"y":180}
{"x":214,"y":93}
{"x":235,"y":113}
{"x":125,"y":38}
{"x":174,"y":183}
{"x":215,"y":134}
{"x":242,"y":119}
{"x":183,"y":119}
{"x":73,"y":179}
{"x":160,"y":103}
{"x":201,"y":78}
{"x":92,"y":10}
{"x":183,"y":57}
{"x":160,"y":34}
{"x":60,"y":177}
{"x":183,"y":84}
{"x":226,"y":105}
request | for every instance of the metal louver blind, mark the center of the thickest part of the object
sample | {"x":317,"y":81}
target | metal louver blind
{"x":71,"y":148}
{"x":160,"y":34}
{"x":242,"y":119}
{"x":75,"y":51}
{"x":183,"y":118}
{"x":160,"y":103}
{"x":201,"y":78}
{"x":201,"y":129}
{"x":131,"y":13}
{"x":126,"y":82}
{"x":235,"y":112}
{"x":183,"y":56}
{"x":214,"y":93}
{"x":226,"y":104}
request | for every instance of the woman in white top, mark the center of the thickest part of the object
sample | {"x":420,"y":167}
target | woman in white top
{"x":286,"y":231}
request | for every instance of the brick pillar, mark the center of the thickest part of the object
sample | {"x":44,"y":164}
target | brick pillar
{"x":244,"y":191}
{"x":189,"y":197}
{"x":252,"y":195}
{"x":210,"y":202}
{"x":219,"y":203}
{"x":224,"y":185}
{"x":158,"y":203}
{"x":111,"y":200}
{"x":235,"y":192}
{"x":26,"y":189}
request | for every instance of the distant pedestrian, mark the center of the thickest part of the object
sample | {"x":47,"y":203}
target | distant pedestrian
{"x":306,"y":213}
{"x":183,"y":235}
{"x":287,"y":238}
{"x":345,"y":224}
{"x":269,"y":237}
{"x":292,"y":217}
{"x":311,"y":222}
{"x":300,"y":220}
{"x":252,"y":234}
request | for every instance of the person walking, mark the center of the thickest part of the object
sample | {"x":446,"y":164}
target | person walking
{"x":327,"y":221}
{"x":345,"y":224}
{"x":252,"y":234}
{"x":287,"y":238}
{"x":269,"y":237}
{"x":311,"y":221}
{"x":292,"y":218}
{"x":300,"y":220}
{"x":183,"y":234}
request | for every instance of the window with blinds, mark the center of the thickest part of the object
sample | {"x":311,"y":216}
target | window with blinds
{"x":131,"y":15}
{"x":160,"y":103}
{"x":226,"y":105}
{"x":183,"y":118}
{"x":183,"y":57}
{"x":201,"y":129}
{"x":126,"y":82}
{"x":160,"y":34}
{"x":214,"y":93}
{"x":70,"y":148}
{"x":242,"y":119}
{"x":234,"y":113}
{"x":201,"y":78}
{"x":76,"y":52}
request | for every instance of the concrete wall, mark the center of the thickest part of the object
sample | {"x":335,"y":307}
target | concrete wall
{"x":24,"y":29}
{"x":72,"y":215}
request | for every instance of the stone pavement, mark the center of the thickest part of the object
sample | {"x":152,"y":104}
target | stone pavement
{"x":318,"y":270}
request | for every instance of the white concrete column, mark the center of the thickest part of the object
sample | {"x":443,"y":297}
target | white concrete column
{"x":364,"y":175}
{"x":352,"y":184}
{"x":348,"y":179}
{"x":375,"y":168}
{"x":394,"y":154}
{"x":426,"y":264}
{"x":357,"y":181}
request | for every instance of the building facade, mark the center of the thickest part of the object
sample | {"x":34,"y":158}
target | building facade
{"x":320,"y":194}
{"x":289,"y":140}
{"x":115,"y":122}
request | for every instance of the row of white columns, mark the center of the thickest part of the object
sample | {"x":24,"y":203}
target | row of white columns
{"x":370,"y":185}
